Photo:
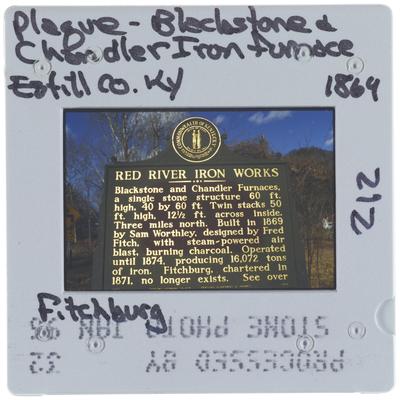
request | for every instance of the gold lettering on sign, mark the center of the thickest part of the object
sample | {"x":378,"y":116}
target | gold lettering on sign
{"x":200,"y":227}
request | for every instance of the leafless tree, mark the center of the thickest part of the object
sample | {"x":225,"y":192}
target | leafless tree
{"x":122,"y":136}
{"x":138,"y":135}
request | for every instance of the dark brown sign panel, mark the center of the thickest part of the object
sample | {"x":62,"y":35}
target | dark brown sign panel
{"x":227,"y":223}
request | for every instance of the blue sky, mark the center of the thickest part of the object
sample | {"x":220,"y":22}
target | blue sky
{"x":285,"y":130}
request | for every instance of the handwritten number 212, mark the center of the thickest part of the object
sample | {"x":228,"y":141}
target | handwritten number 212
{"x":355,"y":217}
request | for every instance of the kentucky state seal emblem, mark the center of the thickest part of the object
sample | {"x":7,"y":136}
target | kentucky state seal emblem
{"x":196,"y":139}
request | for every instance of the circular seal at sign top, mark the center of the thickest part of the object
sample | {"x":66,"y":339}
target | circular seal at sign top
{"x":196,"y":139}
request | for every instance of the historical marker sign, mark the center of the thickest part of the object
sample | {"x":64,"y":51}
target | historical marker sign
{"x":221,"y":223}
